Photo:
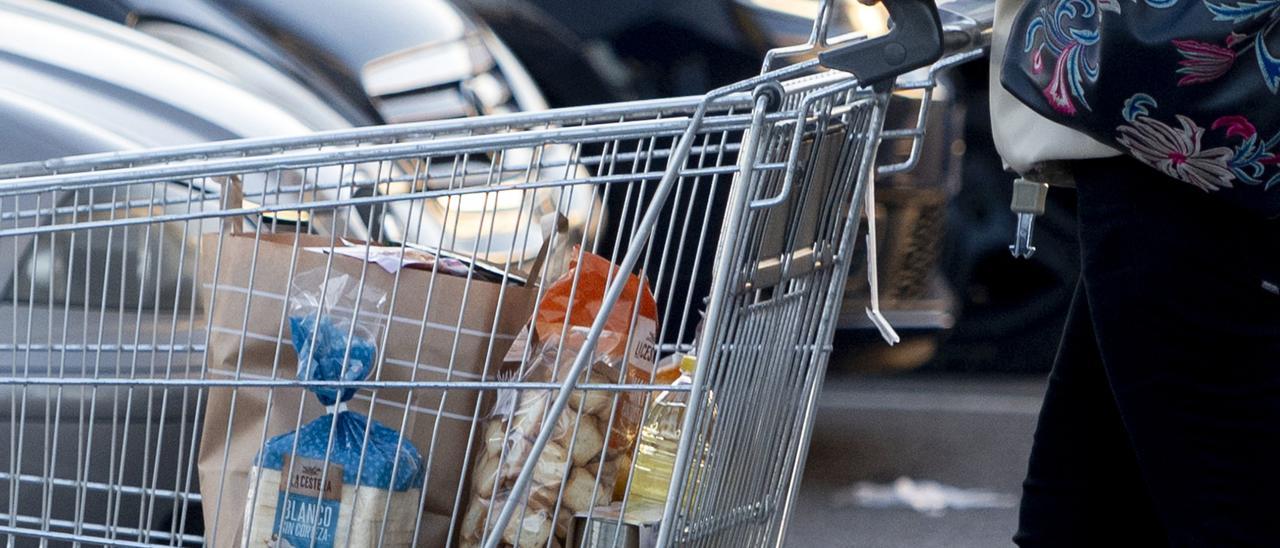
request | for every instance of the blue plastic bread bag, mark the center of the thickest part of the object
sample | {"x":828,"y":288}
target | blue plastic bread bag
{"x":351,"y":481}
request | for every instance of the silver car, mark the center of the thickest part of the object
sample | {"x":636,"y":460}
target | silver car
{"x":71,"y":83}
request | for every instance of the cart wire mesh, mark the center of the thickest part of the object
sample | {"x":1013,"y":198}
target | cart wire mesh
{"x":144,"y":354}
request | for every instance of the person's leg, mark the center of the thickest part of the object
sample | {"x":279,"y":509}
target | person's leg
{"x":1189,"y":332}
{"x":1083,"y":487}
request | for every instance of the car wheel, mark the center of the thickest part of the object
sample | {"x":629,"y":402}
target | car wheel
{"x":550,"y":51}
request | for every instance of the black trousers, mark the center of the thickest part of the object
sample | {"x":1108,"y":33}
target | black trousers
{"x":1161,"y":423}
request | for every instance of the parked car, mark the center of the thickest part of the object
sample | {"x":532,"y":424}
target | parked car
{"x":71,"y":83}
{"x":374,"y":62}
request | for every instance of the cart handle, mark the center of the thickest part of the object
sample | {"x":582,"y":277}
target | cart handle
{"x":914,"y":41}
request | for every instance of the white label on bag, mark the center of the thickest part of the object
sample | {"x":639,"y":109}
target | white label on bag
{"x":644,"y":346}
{"x":309,"y":504}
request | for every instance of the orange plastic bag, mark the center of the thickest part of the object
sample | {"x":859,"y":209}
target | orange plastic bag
{"x":593,"y":274}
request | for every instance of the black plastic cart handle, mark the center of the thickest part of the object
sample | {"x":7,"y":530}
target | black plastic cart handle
{"x":914,"y":41}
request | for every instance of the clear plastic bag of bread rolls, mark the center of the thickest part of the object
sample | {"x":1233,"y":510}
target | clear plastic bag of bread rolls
{"x":577,"y":468}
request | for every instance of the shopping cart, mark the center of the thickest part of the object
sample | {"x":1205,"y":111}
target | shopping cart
{"x":742,"y":205}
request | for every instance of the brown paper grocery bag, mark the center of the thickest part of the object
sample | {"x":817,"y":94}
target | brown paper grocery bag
{"x":470,"y":324}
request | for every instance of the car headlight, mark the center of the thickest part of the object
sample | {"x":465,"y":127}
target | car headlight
{"x":497,"y":224}
{"x":470,"y":76}
{"x":473,"y":75}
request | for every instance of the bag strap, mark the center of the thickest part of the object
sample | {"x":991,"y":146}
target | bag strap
{"x":232,"y":197}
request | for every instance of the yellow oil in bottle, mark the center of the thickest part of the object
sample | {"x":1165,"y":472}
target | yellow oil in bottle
{"x":659,"y":440}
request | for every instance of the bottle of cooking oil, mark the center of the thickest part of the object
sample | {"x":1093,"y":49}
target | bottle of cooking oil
{"x":659,"y":440}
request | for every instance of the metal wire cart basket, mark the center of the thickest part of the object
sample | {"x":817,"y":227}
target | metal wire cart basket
{"x":591,"y":326}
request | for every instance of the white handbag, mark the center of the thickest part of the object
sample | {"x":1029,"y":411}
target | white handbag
{"x":1024,"y":138}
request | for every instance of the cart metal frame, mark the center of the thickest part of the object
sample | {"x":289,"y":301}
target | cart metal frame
{"x":797,"y":146}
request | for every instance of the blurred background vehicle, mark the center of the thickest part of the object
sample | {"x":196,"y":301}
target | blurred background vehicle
{"x":383,"y":62}
{"x":76,"y":84}
{"x":71,"y":84}
{"x":414,"y":61}
{"x":374,"y":62}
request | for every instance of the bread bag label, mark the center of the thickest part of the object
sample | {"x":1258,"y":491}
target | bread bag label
{"x":309,"y":504}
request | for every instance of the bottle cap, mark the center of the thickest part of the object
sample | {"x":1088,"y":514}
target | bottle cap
{"x":688,"y":364}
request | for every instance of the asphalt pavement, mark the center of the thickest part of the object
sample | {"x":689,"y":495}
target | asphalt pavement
{"x":963,"y":431}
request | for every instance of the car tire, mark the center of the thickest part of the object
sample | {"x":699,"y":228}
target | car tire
{"x":551,"y":52}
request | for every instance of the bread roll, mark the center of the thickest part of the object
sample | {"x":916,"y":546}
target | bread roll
{"x":494,"y":436}
{"x":592,"y":402}
{"x":580,"y":492}
{"x":484,"y":476}
{"x":564,"y":521}
{"x":550,"y":469}
{"x":532,"y":530}
{"x":471,"y":530}
{"x":588,"y":442}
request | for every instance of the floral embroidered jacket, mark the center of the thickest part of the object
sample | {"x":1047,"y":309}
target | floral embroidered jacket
{"x":1188,"y":87}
